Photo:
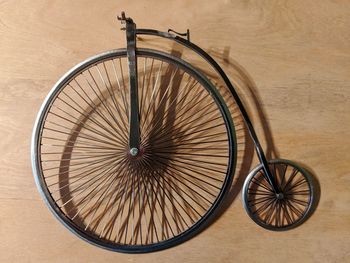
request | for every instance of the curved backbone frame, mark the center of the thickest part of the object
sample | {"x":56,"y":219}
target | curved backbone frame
{"x":219,"y":70}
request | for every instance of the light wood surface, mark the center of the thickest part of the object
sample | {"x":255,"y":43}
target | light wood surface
{"x":294,"y":56}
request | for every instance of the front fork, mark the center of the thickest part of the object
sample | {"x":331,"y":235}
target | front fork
{"x":134,"y":117}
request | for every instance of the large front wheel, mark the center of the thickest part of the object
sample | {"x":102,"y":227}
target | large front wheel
{"x":111,"y":198}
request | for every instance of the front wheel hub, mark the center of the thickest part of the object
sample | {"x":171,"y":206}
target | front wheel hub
{"x":280,"y":196}
{"x":134,"y":151}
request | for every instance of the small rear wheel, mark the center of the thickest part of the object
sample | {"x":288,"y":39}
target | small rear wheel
{"x":283,"y":210}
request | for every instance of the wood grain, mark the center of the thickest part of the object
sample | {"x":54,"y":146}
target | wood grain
{"x":295,"y":56}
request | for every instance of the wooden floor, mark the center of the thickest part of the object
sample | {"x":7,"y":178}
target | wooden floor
{"x":291,"y":61}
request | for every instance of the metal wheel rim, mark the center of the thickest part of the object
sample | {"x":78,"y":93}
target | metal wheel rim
{"x":134,"y":249}
{"x":293,"y":224}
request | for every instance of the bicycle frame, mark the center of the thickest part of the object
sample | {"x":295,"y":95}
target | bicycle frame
{"x":131,"y":33}
{"x":155,"y":186}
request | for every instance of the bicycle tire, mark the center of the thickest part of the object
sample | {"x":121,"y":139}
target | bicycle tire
{"x":286,"y":210}
{"x":82,"y":228}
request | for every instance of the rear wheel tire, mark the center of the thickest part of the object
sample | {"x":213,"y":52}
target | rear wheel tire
{"x":286,"y":209}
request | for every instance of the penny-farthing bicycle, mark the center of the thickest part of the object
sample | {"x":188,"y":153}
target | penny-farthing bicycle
{"x":134,"y":149}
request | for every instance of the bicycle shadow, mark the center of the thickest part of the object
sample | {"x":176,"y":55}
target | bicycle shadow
{"x":245,"y":147}
{"x":249,"y":94}
{"x":248,"y":89}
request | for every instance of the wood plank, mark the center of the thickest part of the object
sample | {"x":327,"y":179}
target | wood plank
{"x":293,"y":55}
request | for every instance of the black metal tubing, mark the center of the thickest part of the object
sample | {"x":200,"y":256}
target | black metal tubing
{"x":134,"y":119}
{"x":219,"y":70}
